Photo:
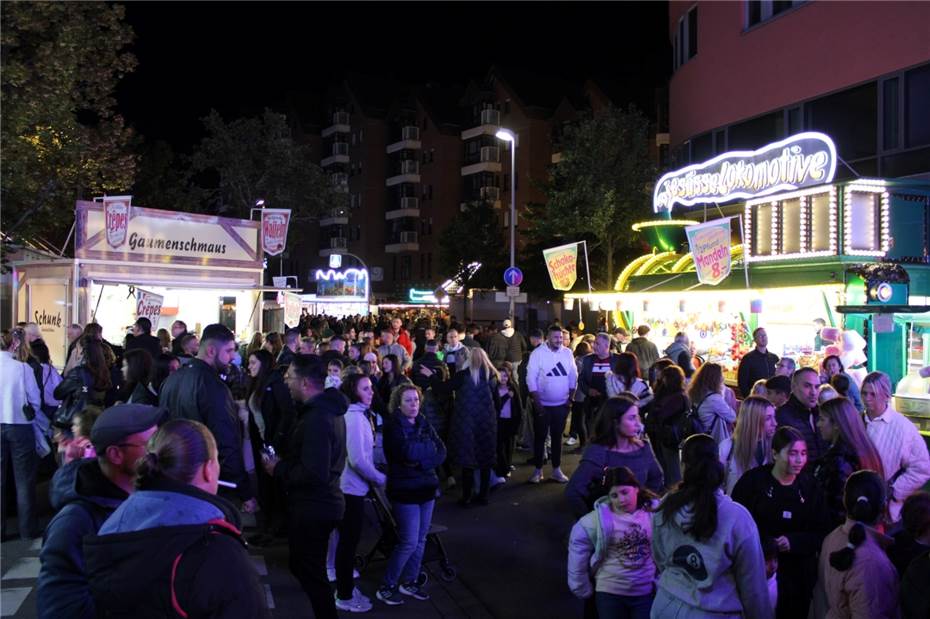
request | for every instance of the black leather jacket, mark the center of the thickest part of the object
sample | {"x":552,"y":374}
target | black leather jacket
{"x":197,"y":392}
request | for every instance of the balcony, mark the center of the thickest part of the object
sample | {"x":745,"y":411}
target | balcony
{"x":409,"y":207}
{"x":340,"y":154}
{"x":490,"y":122}
{"x":409,"y":140}
{"x":335,"y":216}
{"x":489,"y":160}
{"x":340,"y":181}
{"x":407,"y":172}
{"x":337,"y":245}
{"x":404,"y":241}
{"x":492,"y":195}
{"x":340,"y":125}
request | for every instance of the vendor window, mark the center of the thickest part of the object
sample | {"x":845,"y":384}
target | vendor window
{"x":762,"y":230}
{"x":864,"y":221}
{"x":791,"y":226}
{"x":820,"y":222}
{"x":228,"y":312}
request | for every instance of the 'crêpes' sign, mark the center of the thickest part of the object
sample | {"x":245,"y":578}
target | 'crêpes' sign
{"x":274,"y":229}
{"x":116,"y":215}
{"x":802,"y":160}
{"x":710,"y":247}
{"x":148,"y":305}
{"x":562,"y":263}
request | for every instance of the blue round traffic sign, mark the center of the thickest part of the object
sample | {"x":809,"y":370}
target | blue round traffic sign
{"x":513,"y":276}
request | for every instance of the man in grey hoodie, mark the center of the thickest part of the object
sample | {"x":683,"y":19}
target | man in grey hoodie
{"x":680,"y":352}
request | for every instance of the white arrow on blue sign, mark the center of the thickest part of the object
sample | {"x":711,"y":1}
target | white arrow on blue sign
{"x":513,"y":276}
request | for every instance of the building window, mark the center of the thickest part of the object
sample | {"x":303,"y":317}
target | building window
{"x":849,"y":117}
{"x":758,"y":11}
{"x":917,"y":101}
{"x":890,"y":117}
{"x":757,"y":132}
{"x":686,"y":41}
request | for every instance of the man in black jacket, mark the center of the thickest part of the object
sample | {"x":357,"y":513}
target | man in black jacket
{"x":86,"y":492}
{"x":142,"y":338}
{"x":197,"y":392}
{"x":291,"y":343}
{"x":757,"y":363}
{"x":310,"y":472}
{"x":801,"y":411}
{"x":592,"y":381}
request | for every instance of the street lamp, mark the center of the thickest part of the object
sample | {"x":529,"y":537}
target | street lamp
{"x":506,"y":135}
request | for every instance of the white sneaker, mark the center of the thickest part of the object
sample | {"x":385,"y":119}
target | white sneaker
{"x":536,"y":477}
{"x":450,"y":482}
{"x":571,"y":442}
{"x":331,"y":574}
{"x":358,"y":604}
{"x":559,"y":476}
{"x":497,"y":481}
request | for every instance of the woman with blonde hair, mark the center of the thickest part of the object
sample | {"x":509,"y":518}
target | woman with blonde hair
{"x":706,"y":392}
{"x":751,"y":443}
{"x":473,"y":427}
{"x":840,"y":424}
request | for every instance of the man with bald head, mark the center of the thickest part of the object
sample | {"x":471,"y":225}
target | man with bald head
{"x":801,"y":412}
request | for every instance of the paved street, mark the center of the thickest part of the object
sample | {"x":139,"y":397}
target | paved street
{"x":510,"y":559}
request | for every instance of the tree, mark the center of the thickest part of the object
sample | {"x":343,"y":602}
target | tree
{"x":61,"y":137}
{"x":475,"y":235}
{"x":601,"y":186}
{"x":257,"y":158}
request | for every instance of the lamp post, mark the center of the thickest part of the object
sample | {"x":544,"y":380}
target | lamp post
{"x":506,"y":135}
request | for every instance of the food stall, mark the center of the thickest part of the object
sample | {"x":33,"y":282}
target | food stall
{"x":339,"y":292}
{"x":129,"y":259}
{"x":797,"y":249}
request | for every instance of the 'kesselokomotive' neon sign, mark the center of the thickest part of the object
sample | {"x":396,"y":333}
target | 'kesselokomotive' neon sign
{"x":800,"y":161}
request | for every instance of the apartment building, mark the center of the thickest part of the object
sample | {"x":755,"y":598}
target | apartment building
{"x":410,"y":157}
{"x":749,"y":73}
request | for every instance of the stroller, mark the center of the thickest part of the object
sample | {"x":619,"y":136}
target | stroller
{"x":387,"y":540}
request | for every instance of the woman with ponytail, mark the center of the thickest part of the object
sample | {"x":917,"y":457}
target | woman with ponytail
{"x":706,"y":547}
{"x":174,"y":548}
{"x":858,"y":579}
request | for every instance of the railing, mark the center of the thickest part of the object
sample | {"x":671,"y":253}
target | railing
{"x":490,"y":154}
{"x":336,"y":213}
{"x":408,"y":237}
{"x":409,"y":203}
{"x":338,"y":242}
{"x":491,"y":194}
{"x":490,"y":117}
{"x":340,"y":148}
{"x":340,"y":118}
{"x":340,"y":179}
{"x":410,"y":133}
{"x":410,"y":166}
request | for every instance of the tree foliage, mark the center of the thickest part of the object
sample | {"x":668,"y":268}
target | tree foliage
{"x":61,"y":136}
{"x":599,"y":188}
{"x":475,"y":234}
{"x":257,"y":158}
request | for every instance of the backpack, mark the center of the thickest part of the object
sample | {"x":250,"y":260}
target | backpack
{"x":689,"y":425}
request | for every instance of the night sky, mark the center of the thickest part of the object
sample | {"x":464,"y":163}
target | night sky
{"x":242,"y":57}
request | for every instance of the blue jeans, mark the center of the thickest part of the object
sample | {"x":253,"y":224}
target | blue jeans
{"x":18,"y":447}
{"x":610,"y":606}
{"x":413,"y":523}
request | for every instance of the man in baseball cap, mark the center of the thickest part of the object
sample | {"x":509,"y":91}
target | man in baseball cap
{"x":86,"y":492}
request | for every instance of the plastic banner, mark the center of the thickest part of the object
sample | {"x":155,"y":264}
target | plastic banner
{"x":148,"y":305}
{"x":562,"y":262}
{"x":274,"y":229}
{"x":710,"y":246}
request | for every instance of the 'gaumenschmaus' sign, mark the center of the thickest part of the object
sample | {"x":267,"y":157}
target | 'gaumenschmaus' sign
{"x":802,"y":160}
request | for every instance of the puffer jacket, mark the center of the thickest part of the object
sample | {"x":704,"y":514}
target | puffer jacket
{"x":84,"y":498}
{"x":413,"y":451}
{"x":831,"y":471}
{"x":173,"y":550}
{"x":197,"y":392}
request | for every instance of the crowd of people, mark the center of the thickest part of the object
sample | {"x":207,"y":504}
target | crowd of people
{"x":691,"y":499}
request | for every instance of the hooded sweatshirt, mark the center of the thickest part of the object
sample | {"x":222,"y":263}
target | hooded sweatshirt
{"x":316,"y":456}
{"x":681,"y":355}
{"x":614,"y":549}
{"x":359,"y":473}
{"x":171,"y":549}
{"x":722,"y":574}
{"x":84,"y":498}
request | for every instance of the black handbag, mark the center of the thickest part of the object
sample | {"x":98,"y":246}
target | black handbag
{"x":28,"y":411}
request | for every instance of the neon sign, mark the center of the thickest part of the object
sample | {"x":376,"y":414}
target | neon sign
{"x":802,"y":160}
{"x":424,"y":296}
{"x":346,"y":283}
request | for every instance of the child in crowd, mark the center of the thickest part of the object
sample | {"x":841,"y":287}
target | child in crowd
{"x":80,"y":446}
{"x":333,"y":374}
{"x":611,"y":546}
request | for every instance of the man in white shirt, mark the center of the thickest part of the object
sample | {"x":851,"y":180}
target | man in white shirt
{"x":902,"y":449}
{"x":551,"y":377}
{"x":17,"y":439}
